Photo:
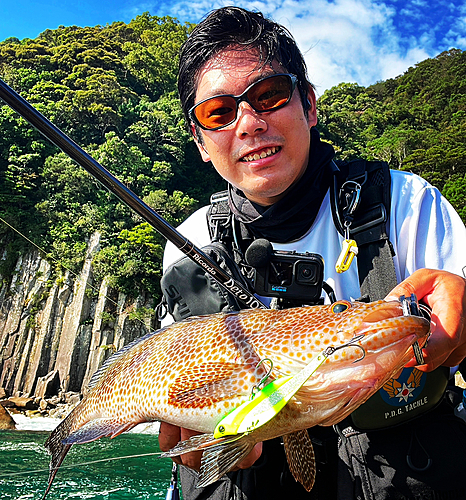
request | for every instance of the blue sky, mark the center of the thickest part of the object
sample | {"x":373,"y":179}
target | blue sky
{"x":360,"y":41}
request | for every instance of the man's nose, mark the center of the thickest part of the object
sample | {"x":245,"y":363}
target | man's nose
{"x":249,"y":122}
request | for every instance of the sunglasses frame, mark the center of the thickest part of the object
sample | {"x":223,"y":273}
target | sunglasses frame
{"x":243,"y":97}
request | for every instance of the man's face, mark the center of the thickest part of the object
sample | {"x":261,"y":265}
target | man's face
{"x":262,"y":154}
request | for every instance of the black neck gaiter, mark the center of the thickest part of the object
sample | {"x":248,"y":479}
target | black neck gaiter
{"x":292,"y":216}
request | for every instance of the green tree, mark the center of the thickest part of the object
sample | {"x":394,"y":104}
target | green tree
{"x":455,"y":191}
{"x":415,"y":122}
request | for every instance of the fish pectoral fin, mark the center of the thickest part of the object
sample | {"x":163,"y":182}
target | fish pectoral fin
{"x":95,"y":429}
{"x":300,"y":457}
{"x":208,"y":383}
{"x":220,"y":459}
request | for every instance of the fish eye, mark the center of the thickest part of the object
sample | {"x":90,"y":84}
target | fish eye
{"x":340,"y":307}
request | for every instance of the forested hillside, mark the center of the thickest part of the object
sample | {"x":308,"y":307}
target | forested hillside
{"x":112,"y":89}
{"x":416,"y":122}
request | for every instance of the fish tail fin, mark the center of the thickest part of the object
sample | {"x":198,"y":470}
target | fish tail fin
{"x":57,"y":449}
{"x":65,"y":435}
{"x":220,"y":454}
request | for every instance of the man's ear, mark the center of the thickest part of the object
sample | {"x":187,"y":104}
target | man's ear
{"x":312,"y":111}
{"x":200,"y":144}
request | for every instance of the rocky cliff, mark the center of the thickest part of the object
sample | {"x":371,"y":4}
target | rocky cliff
{"x":54,"y":333}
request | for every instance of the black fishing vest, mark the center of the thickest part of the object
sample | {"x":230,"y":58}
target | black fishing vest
{"x":360,"y":198}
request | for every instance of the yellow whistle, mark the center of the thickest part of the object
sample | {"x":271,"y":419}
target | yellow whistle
{"x":348,"y":251}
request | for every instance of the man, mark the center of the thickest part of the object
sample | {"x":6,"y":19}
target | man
{"x":252,"y":112}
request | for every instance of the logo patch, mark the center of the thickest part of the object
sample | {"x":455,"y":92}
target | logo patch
{"x":406,"y":388}
{"x":402,"y":399}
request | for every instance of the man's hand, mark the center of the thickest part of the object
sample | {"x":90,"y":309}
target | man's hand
{"x":170,"y":435}
{"x":445,"y":294}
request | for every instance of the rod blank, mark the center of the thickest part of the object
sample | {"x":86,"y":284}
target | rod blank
{"x":108,"y":180}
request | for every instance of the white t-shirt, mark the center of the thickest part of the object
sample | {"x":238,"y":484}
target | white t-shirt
{"x":425,"y":230}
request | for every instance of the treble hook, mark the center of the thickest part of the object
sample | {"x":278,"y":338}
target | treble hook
{"x":352,"y":343}
{"x":263,"y":380}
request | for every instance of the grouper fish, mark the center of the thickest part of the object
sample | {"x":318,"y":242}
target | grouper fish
{"x":196,"y":372}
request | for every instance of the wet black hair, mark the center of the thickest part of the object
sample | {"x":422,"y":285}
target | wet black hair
{"x":234,"y":27}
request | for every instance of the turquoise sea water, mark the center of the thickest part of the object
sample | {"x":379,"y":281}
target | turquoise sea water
{"x":130,"y":478}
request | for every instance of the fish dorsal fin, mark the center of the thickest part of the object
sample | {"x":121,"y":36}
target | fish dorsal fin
{"x":115,"y":357}
{"x":300,"y":457}
{"x":208,"y":383}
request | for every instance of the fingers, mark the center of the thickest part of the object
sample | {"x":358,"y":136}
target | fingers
{"x":445,"y":294}
{"x":170,"y":435}
{"x":250,"y":459}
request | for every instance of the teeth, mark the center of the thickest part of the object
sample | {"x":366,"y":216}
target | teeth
{"x":264,"y":154}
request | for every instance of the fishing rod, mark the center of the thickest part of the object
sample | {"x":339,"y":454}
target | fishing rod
{"x":109,"y":181}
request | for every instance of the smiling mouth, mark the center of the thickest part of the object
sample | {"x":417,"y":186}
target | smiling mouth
{"x":264,"y":154}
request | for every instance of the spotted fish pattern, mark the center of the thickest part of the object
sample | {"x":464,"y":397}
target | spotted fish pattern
{"x":194,"y":372}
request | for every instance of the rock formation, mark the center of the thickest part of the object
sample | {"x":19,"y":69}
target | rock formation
{"x":6,"y":421}
{"x":55,"y":333}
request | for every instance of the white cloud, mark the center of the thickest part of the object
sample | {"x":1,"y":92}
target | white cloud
{"x":456,"y":35}
{"x":362,"y":41}
{"x":347,"y":41}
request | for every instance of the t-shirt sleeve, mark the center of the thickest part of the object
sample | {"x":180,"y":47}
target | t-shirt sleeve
{"x":425,"y":229}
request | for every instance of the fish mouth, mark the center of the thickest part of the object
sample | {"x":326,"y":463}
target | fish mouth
{"x":393,"y":321}
{"x":382,"y":343}
{"x":405,"y":307}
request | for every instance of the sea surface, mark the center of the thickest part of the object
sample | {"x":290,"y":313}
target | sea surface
{"x":24,"y":465}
